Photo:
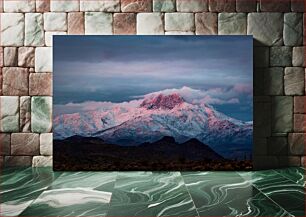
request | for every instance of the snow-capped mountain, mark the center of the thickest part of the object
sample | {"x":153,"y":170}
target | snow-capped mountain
{"x":156,"y":116}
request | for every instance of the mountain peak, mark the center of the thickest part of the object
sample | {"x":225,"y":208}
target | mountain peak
{"x":162,"y":101}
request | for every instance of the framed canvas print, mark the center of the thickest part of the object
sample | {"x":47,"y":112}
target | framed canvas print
{"x":153,"y":102}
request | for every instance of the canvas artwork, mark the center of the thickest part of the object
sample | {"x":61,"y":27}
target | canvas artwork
{"x":153,"y":102}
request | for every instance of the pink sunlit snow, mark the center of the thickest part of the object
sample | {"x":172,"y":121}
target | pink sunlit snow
{"x":156,"y":115}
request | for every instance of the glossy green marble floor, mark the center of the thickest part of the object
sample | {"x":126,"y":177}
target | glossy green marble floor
{"x":42,"y":192}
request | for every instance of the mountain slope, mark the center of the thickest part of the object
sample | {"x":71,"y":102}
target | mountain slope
{"x":157,"y":116}
{"x":165,"y":149}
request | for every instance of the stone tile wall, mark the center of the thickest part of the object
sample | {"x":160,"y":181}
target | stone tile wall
{"x":26,"y":33}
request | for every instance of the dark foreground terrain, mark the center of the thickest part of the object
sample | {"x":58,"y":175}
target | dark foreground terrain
{"x":84,"y":153}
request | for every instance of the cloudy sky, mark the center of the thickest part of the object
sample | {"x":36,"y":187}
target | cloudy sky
{"x":124,"y":68}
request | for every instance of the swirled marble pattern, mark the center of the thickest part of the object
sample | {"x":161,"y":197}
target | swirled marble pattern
{"x":75,"y":193}
{"x":138,"y":187}
{"x":228,"y":194}
{"x":102,"y":181}
{"x":20,"y":187}
{"x":151,"y":194}
{"x":15,"y":173}
{"x":296,"y":174}
{"x":42,"y":192}
{"x":70,"y":202}
{"x":285,"y":192}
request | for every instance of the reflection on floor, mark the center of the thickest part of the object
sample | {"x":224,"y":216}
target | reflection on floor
{"x":42,"y":192}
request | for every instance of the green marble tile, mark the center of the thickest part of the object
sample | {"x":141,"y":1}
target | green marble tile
{"x":190,"y":177}
{"x":227,"y":194}
{"x":141,"y":187}
{"x":289,"y":195}
{"x":259,"y":178}
{"x":41,"y":192}
{"x":147,"y":176}
{"x":183,"y":208}
{"x":296,"y":174}
{"x":102,"y":181}
{"x":151,"y":194}
{"x":13,"y":172}
{"x":75,"y":194}
{"x":159,"y":193}
{"x":69,"y":202}
{"x":23,"y":187}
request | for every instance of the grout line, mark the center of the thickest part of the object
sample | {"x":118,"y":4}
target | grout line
{"x":115,"y":180}
{"x":42,"y":191}
{"x":291,"y":180}
{"x":48,"y":188}
{"x":254,"y":186}
{"x":189,"y":194}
